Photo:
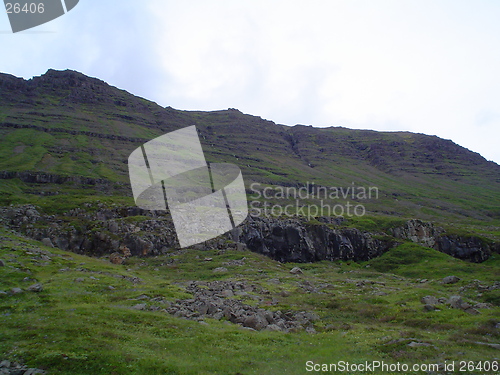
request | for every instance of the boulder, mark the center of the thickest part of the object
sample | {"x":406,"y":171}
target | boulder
{"x":36,"y":288}
{"x":255,"y":321}
{"x":429,"y":300}
{"x":450,"y":280}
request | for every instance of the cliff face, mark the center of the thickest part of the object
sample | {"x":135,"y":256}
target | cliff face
{"x":295,"y":241}
{"x":132,"y":231}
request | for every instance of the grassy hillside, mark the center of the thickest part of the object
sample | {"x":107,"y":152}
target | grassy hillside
{"x":86,"y":320}
{"x":67,"y":124}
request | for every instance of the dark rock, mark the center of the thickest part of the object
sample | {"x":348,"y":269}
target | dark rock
{"x":47,"y":242}
{"x":274,"y":327}
{"x":2,"y":263}
{"x":292,"y":240}
{"x":255,"y":321}
{"x":36,"y":288}
{"x":450,"y":280}
{"x":467,"y":248}
{"x":429,"y":300}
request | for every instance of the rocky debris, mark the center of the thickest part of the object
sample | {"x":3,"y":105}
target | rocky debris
{"x":140,"y":306}
{"x":450,"y":280}
{"x":296,"y":271}
{"x":215,"y":300}
{"x":457,"y":303}
{"x":16,"y":291}
{"x":477,"y":285}
{"x":429,"y":300}
{"x":2,"y":263}
{"x":431,"y":303}
{"x":14,"y":368}
{"x":35,"y":288}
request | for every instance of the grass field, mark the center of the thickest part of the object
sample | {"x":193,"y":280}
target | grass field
{"x":83,"y":322}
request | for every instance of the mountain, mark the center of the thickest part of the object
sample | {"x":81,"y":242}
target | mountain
{"x":92,"y":284}
{"x":64,"y":124}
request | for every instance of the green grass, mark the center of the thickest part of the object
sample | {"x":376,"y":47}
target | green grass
{"x":88,"y":328}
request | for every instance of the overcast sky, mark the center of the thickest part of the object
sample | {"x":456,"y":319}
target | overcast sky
{"x":426,"y":66}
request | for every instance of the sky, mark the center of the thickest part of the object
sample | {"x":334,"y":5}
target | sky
{"x":425,"y":66}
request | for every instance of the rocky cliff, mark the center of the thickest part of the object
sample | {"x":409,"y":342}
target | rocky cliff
{"x":125,"y":231}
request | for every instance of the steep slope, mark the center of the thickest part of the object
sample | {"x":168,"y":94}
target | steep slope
{"x":65,"y":124}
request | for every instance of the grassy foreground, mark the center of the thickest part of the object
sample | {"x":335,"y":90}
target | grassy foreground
{"x":83,"y":321}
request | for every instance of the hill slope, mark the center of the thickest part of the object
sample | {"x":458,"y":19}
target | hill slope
{"x":67,"y":124}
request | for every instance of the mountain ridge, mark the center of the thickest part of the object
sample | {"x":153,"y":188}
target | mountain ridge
{"x":65,"y":123}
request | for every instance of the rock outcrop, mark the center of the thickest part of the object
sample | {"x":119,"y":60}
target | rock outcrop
{"x":96,"y":229}
{"x":459,"y":246}
{"x":294,"y":240}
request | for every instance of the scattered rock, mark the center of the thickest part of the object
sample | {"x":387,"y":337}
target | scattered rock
{"x":140,"y":306}
{"x":36,"y":288}
{"x":220,"y":270}
{"x":428,"y":307}
{"x":455,"y":302}
{"x":429,"y":300}
{"x":296,"y":271}
{"x":13,"y":368}
{"x":2,"y":263}
{"x":450,"y":280}
{"x":16,"y":290}
{"x":209,"y":300}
